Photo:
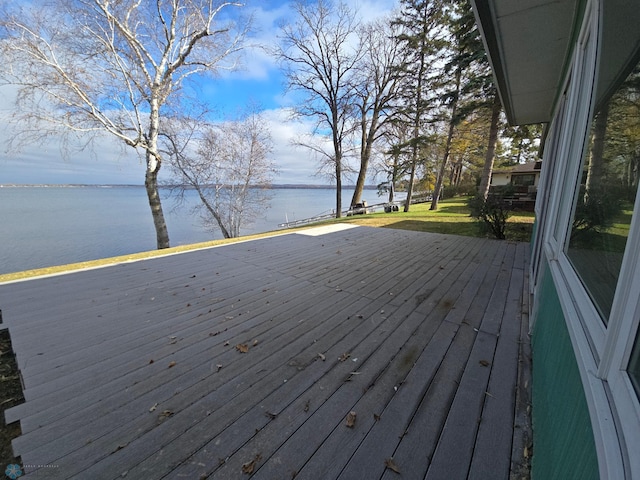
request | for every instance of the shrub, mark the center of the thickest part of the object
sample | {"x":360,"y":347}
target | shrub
{"x":595,"y":211}
{"x":492,"y":212}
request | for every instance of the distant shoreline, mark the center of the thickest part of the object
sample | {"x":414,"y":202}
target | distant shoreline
{"x":88,"y":185}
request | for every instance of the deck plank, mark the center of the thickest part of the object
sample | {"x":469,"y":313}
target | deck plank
{"x":455,"y":448}
{"x":432,"y":324}
{"x":390,"y":374}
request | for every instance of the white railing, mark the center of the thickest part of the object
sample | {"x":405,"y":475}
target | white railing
{"x":355,"y":211}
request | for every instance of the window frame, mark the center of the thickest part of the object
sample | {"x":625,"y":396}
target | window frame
{"x":602,"y":351}
{"x":622,"y":332}
{"x":572,"y":146}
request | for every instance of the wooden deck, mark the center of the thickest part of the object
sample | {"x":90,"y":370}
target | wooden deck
{"x":246,"y":361}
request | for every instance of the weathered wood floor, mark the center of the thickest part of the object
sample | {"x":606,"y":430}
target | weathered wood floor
{"x":136,"y":370}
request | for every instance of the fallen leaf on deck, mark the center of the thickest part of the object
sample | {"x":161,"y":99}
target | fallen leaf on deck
{"x":255,"y":342}
{"x":249,"y":467}
{"x":226,"y":344}
{"x":172,"y":364}
{"x":165,"y":414}
{"x":351,"y":419}
{"x":219,"y":366}
{"x":242,"y":347}
{"x":153,"y":407}
{"x":322,"y":357}
{"x":484,"y":363}
{"x":389,"y":463}
{"x":344,"y":356}
{"x":376,"y":417}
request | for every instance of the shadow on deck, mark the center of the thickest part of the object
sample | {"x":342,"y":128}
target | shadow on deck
{"x":352,"y":354}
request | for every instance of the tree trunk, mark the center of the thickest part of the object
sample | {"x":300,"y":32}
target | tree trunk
{"x":357,"y":194}
{"x":394,"y":176}
{"x":338,"y":186}
{"x":595,"y":169}
{"x":443,"y":167}
{"x":412,"y":177}
{"x":151,"y":176}
{"x":447,"y":148}
{"x":366,"y":141}
{"x":485,"y":181}
{"x":151,"y":185}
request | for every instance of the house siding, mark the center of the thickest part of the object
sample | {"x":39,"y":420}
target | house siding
{"x":564,"y":445}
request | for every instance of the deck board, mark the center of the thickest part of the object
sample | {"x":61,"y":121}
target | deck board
{"x":132,"y":370}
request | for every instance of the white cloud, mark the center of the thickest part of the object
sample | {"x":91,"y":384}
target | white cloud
{"x":111,"y":163}
{"x":108,"y":162}
{"x":294,"y":164}
{"x":369,"y":10}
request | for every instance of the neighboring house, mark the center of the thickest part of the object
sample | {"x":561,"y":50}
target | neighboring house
{"x":522,"y":179}
{"x":521,"y":175}
{"x":574,"y":65}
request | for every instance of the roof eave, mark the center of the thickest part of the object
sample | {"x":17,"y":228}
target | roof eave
{"x":528,"y":44}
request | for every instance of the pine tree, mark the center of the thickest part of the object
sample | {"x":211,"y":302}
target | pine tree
{"x":468,"y":85}
{"x":422,"y":42}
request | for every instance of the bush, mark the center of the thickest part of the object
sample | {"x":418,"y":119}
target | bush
{"x":595,"y":211}
{"x":492,"y":212}
{"x":451,"y":191}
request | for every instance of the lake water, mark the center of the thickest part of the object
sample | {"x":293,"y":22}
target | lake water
{"x":45,"y":226}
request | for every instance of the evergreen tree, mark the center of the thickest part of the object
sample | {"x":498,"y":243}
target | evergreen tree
{"x":472,"y":89}
{"x":421,"y":41}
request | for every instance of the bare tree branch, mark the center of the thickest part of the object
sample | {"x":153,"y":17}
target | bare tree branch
{"x":231,"y":170}
{"x":89,"y":66}
{"x":319,"y":53}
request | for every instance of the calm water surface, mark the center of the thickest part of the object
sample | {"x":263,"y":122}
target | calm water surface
{"x":44,"y":226}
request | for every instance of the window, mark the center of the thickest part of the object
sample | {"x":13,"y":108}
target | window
{"x":525,"y":180}
{"x":603,"y":204}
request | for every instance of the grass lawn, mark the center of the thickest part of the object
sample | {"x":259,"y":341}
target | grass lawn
{"x":451,"y":217}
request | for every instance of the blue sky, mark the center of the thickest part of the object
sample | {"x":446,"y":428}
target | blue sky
{"x":259,"y":80}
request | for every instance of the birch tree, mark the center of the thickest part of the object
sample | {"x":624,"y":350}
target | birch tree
{"x":231,"y":171}
{"x":90,"y":67}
